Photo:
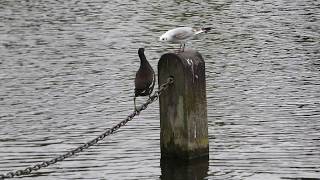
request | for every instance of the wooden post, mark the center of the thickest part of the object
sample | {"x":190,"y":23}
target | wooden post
{"x":184,"y":170}
{"x":183,"y":107}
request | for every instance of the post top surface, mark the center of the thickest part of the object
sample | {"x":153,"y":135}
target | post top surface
{"x":188,"y":54}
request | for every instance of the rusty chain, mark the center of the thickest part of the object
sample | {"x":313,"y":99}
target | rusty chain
{"x":79,"y":149}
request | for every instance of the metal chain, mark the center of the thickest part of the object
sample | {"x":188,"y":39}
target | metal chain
{"x":79,"y":149}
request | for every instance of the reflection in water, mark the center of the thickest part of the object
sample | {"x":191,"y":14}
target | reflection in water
{"x":175,"y":169}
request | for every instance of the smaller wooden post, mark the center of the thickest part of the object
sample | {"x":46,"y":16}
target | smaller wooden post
{"x":183,"y":107}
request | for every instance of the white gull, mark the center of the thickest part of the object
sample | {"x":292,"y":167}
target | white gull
{"x":182,"y":35}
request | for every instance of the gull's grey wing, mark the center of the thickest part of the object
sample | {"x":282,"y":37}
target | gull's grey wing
{"x":182,"y":34}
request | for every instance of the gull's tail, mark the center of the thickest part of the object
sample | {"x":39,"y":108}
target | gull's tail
{"x":203,"y":30}
{"x":206,"y":29}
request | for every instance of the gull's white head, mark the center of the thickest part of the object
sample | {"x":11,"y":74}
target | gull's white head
{"x":165,"y":37}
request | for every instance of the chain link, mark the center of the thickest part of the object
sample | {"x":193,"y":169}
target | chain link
{"x":79,"y":149}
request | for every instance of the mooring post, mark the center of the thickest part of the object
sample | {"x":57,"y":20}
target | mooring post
{"x":183,"y":107}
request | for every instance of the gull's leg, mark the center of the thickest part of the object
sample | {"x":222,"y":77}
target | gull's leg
{"x":184,"y":45}
{"x":180,"y":47}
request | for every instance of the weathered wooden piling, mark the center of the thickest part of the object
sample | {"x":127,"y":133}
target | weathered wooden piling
{"x":183,"y":107}
{"x":173,"y":169}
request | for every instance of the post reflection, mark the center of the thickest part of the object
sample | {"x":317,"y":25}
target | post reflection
{"x":175,"y":169}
